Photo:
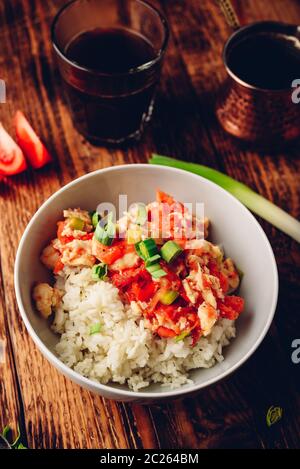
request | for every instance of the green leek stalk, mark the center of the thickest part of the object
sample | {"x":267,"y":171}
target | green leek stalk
{"x":253,"y":201}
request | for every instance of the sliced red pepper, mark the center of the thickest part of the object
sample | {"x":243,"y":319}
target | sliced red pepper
{"x":30,"y":143}
{"x":12,"y":160}
{"x":165,"y":332}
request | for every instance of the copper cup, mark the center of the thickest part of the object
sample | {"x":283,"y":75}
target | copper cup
{"x":254,"y":114}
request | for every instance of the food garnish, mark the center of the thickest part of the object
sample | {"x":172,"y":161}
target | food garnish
{"x":99,"y":271}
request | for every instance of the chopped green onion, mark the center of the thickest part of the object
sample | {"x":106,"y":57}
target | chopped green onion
{"x":153,"y":268}
{"x":168,"y":297}
{"x":106,"y":230}
{"x":95,"y":328}
{"x":156,"y":271}
{"x":182,"y":336}
{"x":159,"y":273}
{"x":152,"y":260}
{"x":76,"y":223}
{"x":141,"y":215}
{"x":99,"y":271}
{"x":146,"y":249}
{"x":95,"y":219}
{"x":255,"y":202}
{"x":170,"y":250}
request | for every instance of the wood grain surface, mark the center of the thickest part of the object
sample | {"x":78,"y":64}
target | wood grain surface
{"x":53,"y":412}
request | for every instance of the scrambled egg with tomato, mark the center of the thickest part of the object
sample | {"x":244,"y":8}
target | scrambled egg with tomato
{"x":158,"y":257}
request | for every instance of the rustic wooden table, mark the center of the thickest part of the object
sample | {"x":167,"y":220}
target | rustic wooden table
{"x":53,"y":412}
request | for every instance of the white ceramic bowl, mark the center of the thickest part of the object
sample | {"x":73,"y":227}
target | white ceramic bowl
{"x":233,"y":226}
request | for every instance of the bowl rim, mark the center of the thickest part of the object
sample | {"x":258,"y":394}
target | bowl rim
{"x":106,"y":388}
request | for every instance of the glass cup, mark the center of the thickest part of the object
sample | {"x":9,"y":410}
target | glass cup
{"x":110,"y":106}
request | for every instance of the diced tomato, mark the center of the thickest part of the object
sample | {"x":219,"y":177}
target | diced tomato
{"x":58,"y":266}
{"x":165,"y":332}
{"x":231,"y":307}
{"x":110,"y":254}
{"x":12,"y":160}
{"x":235,"y":302}
{"x":30,"y":143}
{"x":143,"y":291}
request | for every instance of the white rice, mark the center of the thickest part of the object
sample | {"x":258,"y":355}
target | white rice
{"x":124,"y":351}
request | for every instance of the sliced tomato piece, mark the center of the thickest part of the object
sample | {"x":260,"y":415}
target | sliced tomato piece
{"x":165,"y":332}
{"x":231,"y":307}
{"x":109,"y":254}
{"x":30,"y":143}
{"x":235,"y":302}
{"x":12,"y":160}
{"x":143,"y":291}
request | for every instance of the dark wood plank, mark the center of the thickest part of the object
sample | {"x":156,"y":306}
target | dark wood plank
{"x":231,"y":414}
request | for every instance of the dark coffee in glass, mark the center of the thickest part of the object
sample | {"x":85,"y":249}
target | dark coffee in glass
{"x":110,"y":56}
